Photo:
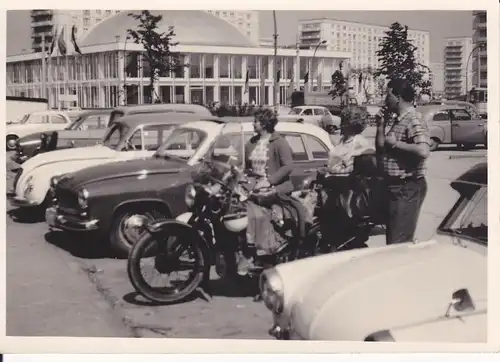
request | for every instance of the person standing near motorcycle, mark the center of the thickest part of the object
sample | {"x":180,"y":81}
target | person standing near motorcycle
{"x":402,"y":154}
{"x":268,"y":161}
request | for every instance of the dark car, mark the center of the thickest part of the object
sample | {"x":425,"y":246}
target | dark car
{"x":87,"y":129}
{"x":103,"y":198}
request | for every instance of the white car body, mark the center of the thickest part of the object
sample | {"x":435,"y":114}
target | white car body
{"x":396,"y":293}
{"x":52,"y":121}
{"x":316,"y":115}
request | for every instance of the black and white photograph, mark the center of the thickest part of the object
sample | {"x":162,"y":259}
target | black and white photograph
{"x":306,"y":175}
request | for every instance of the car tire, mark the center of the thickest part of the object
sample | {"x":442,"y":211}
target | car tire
{"x":121,"y":239}
{"x":11,"y":142}
{"x":435,"y":142}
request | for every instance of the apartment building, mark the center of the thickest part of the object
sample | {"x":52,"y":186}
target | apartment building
{"x":247,"y":21}
{"x":457,"y":66}
{"x":480,"y":55}
{"x":437,"y":77}
{"x":46,"y":21}
{"x":361,"y":40}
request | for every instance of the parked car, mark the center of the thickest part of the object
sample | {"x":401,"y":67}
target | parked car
{"x":317,"y":115}
{"x":431,"y":291}
{"x":104,"y":198}
{"x":136,"y":136}
{"x":36,"y":122}
{"x":451,"y":124}
{"x":86,"y":130}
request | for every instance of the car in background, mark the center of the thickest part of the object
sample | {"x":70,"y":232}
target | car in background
{"x":430,"y":291}
{"x":40,"y":121}
{"x":317,"y":115}
{"x":454,"y":124}
{"x":103,"y":198}
{"x":89,"y":128}
{"x":134,"y":136}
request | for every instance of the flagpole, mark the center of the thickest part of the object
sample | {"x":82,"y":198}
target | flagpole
{"x":44,"y":68}
{"x":276,"y":84}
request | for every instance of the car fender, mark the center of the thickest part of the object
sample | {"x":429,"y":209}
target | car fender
{"x":151,"y":200}
{"x":437,"y":132}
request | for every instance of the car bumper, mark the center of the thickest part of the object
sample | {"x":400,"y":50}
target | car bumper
{"x":63,"y":222}
{"x":17,"y":201}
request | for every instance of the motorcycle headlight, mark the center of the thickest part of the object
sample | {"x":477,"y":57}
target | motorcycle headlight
{"x":272,"y":290}
{"x":83,"y":198}
{"x":190,"y":195}
{"x":28,"y":188}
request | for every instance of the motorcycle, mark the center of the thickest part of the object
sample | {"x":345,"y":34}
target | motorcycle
{"x":214,"y":233}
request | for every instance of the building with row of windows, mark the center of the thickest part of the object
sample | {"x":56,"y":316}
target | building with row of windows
{"x":457,"y":66}
{"x":112,"y":70}
{"x":480,"y":56}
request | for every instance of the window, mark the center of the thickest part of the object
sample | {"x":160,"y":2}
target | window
{"x":182,"y":142}
{"x":228,"y":145}
{"x":307,"y":112}
{"x":299,"y":152}
{"x":460,"y":115}
{"x":318,"y":112}
{"x":209,"y":66}
{"x":224,"y":61}
{"x":317,"y":148}
{"x":57,"y":119}
{"x":155,"y":135}
{"x":441,"y":116}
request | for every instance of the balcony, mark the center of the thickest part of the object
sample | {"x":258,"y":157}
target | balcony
{"x":42,"y":23}
{"x":41,"y":12}
{"x":310,"y":37}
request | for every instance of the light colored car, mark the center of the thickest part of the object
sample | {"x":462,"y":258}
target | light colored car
{"x":432,"y":291}
{"x":454,"y":124}
{"x":317,"y":115}
{"x":42,"y":121}
{"x":131,"y":137}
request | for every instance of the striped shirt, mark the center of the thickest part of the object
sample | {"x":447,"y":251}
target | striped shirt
{"x":408,"y":128}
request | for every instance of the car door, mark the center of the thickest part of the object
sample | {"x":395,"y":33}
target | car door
{"x":440,"y":126}
{"x":465,"y":129}
{"x":307,"y":115}
{"x":319,"y":114}
{"x":302,"y":165}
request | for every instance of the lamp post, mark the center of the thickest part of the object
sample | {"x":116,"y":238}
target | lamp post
{"x":275,"y":65}
{"x":467,"y":70}
{"x":312,"y":60}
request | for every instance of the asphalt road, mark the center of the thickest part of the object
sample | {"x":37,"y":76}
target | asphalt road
{"x":59,"y":287}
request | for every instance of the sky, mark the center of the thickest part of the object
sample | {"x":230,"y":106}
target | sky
{"x":440,"y":24}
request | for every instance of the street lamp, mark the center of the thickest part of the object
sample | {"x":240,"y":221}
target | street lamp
{"x":480,"y":45}
{"x":312,"y":60}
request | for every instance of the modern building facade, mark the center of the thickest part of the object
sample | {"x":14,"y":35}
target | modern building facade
{"x":437,"y":78}
{"x":359,"y":39}
{"x":247,"y":21}
{"x":112,"y":71}
{"x":480,"y":55}
{"x":457,"y":66}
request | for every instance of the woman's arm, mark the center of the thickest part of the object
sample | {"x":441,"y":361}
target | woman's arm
{"x":286,"y":161}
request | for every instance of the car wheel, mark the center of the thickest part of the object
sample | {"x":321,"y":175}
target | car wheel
{"x":434,"y":144}
{"x":123,"y":235}
{"x":11,"y":142}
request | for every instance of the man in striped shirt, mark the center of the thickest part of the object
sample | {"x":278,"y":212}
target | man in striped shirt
{"x":402,"y":151}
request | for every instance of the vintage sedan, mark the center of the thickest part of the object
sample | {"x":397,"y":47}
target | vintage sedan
{"x":317,"y":115}
{"x":89,"y":200}
{"x":40,"y":121}
{"x":430,"y":291}
{"x":89,"y":128}
{"x":135,"y":136}
{"x":454,"y":124}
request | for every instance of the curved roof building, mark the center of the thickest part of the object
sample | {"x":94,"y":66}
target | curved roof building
{"x":190,"y":27}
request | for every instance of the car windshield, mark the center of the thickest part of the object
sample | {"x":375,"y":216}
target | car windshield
{"x":295,"y":111}
{"x":75,"y":123}
{"x":115,"y":135}
{"x":182,"y":143}
{"x":470,"y":218}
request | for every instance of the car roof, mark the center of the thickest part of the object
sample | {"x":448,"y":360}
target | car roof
{"x":95,"y":111}
{"x":134,"y":120}
{"x":438,"y":107}
{"x":476,"y":176}
{"x":195,"y":108}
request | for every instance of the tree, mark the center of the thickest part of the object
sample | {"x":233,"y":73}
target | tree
{"x":397,"y":59}
{"x":339,"y":86}
{"x":160,"y":58}
{"x":362,"y":75}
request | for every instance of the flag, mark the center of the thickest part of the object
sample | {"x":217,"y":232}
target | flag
{"x":306,"y":78}
{"x":61,"y":44}
{"x":53,"y":44}
{"x":73,"y":40}
{"x":246,"y":83}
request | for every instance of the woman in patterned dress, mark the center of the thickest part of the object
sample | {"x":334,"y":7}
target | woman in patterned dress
{"x":268,"y":160}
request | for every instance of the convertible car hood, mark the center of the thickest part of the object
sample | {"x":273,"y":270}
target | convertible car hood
{"x":404,"y":290}
{"x":130,"y":168}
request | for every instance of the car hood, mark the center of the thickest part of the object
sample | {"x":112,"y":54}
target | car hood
{"x":73,"y":154}
{"x":130,"y":168}
{"x":30,"y":138}
{"x":403,"y":290}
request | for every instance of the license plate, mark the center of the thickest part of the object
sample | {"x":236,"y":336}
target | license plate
{"x":50,"y":217}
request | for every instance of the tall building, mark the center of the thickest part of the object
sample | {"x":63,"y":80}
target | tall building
{"x":47,"y":21}
{"x":361,"y":40}
{"x":247,"y":21}
{"x":437,"y":77}
{"x":480,"y":56}
{"x":457,"y":71}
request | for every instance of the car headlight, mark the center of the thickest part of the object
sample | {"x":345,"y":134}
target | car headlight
{"x":28,"y":188}
{"x":190,"y":195}
{"x":83,"y":198}
{"x":272,"y":290}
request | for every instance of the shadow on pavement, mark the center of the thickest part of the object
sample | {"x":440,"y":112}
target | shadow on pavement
{"x":27,"y":215}
{"x":78,"y":246}
{"x":137,"y":299}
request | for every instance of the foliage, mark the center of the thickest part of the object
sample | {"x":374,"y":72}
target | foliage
{"x":339,"y":85}
{"x":158,"y":54}
{"x":397,"y":59}
{"x":362,"y":76}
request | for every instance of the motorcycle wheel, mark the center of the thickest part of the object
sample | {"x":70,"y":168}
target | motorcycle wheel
{"x":147,"y":247}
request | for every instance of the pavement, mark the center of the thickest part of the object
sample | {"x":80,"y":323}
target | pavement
{"x":61,"y":287}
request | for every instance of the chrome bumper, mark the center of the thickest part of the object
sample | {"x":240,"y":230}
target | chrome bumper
{"x":56,"y":221}
{"x":20,"y":201}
